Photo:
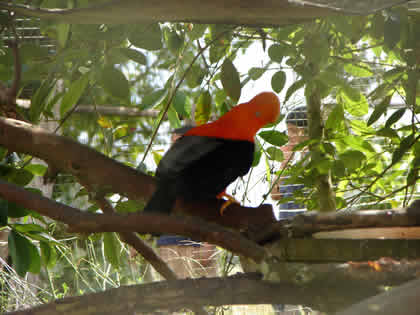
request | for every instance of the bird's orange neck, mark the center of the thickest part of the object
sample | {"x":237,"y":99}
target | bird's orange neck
{"x":230,"y":126}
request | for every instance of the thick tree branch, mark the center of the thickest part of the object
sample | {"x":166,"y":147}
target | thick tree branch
{"x":244,"y":12}
{"x":402,"y":300}
{"x":108,"y":175}
{"x":327,"y":288}
{"x":342,"y":250}
{"x":79,"y":221}
{"x":347,"y":225}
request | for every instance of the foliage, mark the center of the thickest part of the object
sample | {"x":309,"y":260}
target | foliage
{"x":358,"y":66}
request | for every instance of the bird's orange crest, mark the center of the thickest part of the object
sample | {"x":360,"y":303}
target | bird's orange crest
{"x":244,"y":120}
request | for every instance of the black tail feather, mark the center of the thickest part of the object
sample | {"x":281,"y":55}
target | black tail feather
{"x":162,"y":200}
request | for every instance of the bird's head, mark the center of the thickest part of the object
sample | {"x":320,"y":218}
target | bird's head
{"x":264,"y":107}
{"x":243,"y":121}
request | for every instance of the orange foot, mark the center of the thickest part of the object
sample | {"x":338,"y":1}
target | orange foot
{"x":227,"y":203}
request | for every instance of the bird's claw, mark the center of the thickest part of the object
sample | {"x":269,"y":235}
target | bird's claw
{"x":230,"y":200}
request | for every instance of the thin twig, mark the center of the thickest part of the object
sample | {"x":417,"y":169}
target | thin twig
{"x":168,"y":103}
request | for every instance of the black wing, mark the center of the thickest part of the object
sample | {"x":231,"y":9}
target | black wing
{"x":201,"y":167}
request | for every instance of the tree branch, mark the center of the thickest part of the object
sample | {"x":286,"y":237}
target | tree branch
{"x":344,"y":225}
{"x":245,"y":12}
{"x":79,"y":221}
{"x":403,"y":300}
{"x":327,"y":287}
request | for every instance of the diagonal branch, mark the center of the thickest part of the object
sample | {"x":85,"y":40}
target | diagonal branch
{"x":79,"y":221}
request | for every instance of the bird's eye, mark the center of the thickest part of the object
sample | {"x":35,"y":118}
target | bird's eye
{"x":257,"y":114}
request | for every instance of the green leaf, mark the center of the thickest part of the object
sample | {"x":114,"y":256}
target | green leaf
{"x":360,"y":127}
{"x":392,"y":30}
{"x":338,"y":168}
{"x":156,"y":157}
{"x":32,"y":53}
{"x":63,"y":30}
{"x":147,"y":36}
{"x":405,"y":145}
{"x":129,"y":206}
{"x":20,"y":177}
{"x":35,"y":260}
{"x":153,"y":99}
{"x":134,"y":55}
{"x":379,"y":110}
{"x":39,"y":100}
{"x":355,"y":103}
{"x":278,"y":80}
{"x":20,"y":251}
{"x":274,"y":137}
{"x":48,"y":254}
{"x":413,"y":174}
{"x":393,"y":74}
{"x":395,"y":117}
{"x":328,"y":148}
{"x":174,"y":41}
{"x":335,"y":118}
{"x":221,"y":46}
{"x":115,"y":83}
{"x":12,"y":209}
{"x":112,"y":249}
{"x":173,"y":118}
{"x":257,"y":154}
{"x":36,"y":169}
{"x":256,"y":73}
{"x":352,"y":159}
{"x":275,"y":154}
{"x":324,"y":166}
{"x":297,"y":85}
{"x":203,"y":109}
{"x":27,"y":228}
{"x":195,"y":76}
{"x":230,"y":80}
{"x":197,"y":31}
{"x":387,"y":132}
{"x":358,"y":71}
{"x":377,"y":26}
{"x":276,"y":53}
{"x":73,"y":94}
{"x":180,"y":103}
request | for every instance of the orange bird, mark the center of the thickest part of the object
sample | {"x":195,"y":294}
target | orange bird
{"x":207,"y":158}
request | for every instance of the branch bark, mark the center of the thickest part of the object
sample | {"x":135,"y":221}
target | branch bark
{"x":79,"y":221}
{"x":327,"y":288}
{"x":403,"y":300}
{"x":244,"y":12}
{"x":356,"y":225}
